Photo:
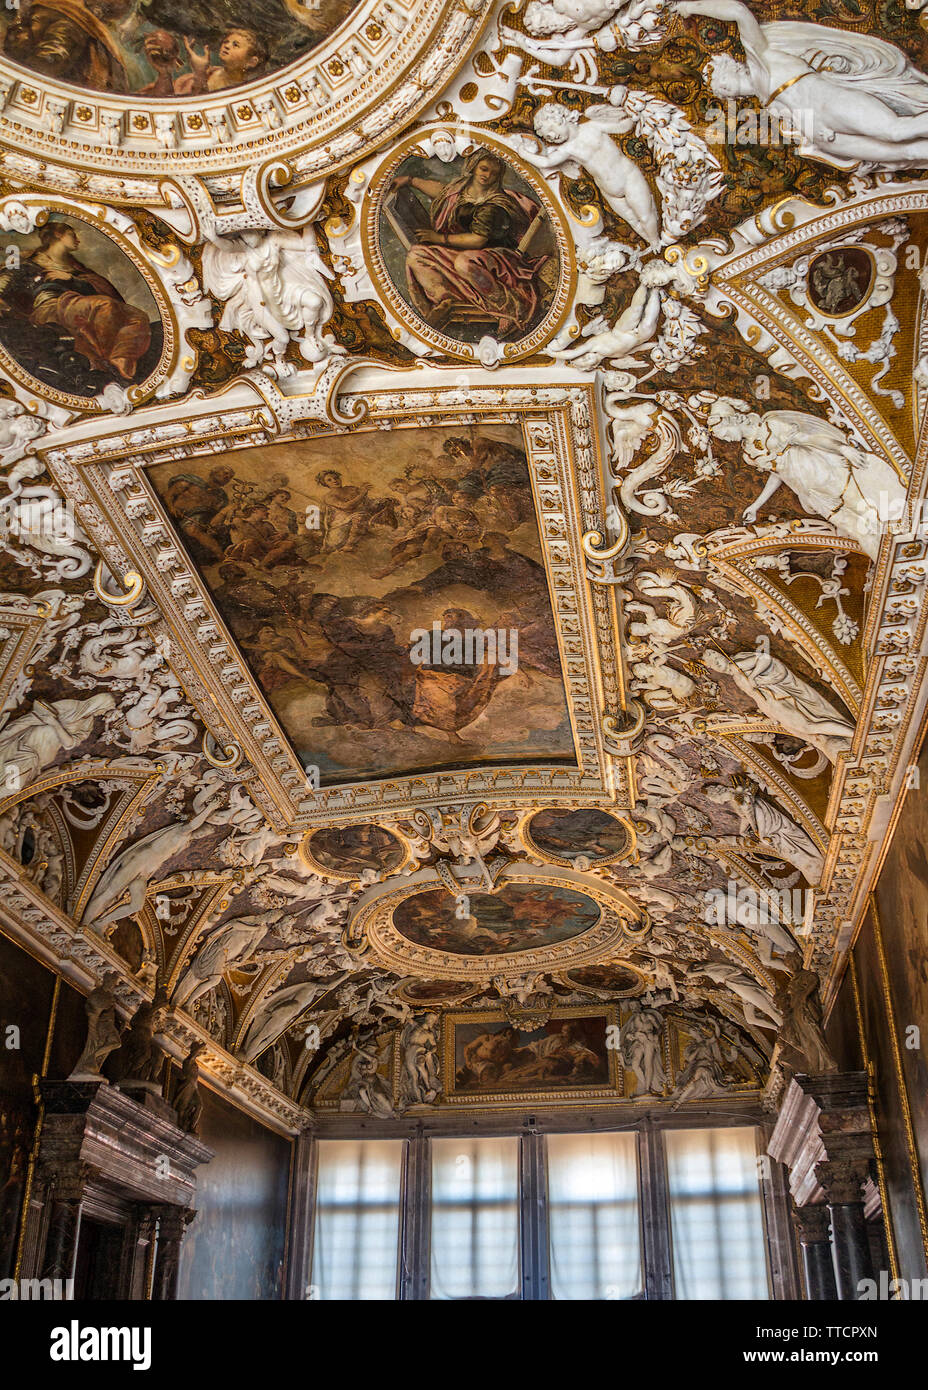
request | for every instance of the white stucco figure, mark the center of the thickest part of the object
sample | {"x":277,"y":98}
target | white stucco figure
{"x":570,"y":32}
{"x":420,"y":1083}
{"x":854,"y":100}
{"x":273,"y":286}
{"x":772,"y":827}
{"x":588,"y":142}
{"x":858,"y":492}
{"x":786,"y":699}
{"x":131,"y":871}
{"x":641,"y":1047}
{"x":233,"y":943}
{"x":703,"y":1074}
{"x":33,"y":741}
{"x":752,"y":912}
{"x":758,"y":1007}
{"x":634,"y":328}
{"x":278,"y":1011}
{"x":18,"y":429}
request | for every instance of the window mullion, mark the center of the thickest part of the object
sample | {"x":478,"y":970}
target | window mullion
{"x":655,"y":1212}
{"x":534,"y":1224}
{"x":414,"y":1247}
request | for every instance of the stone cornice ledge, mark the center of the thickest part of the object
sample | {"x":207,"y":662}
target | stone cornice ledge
{"x":30,"y":919}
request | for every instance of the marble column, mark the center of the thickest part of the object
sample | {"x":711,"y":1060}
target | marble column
{"x":61,"y":1242}
{"x":812,"y":1225}
{"x":172,"y":1222}
{"x":824,"y":1135}
{"x":842,"y":1182}
{"x":141,"y":1242}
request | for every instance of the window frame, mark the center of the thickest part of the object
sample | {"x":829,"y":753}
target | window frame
{"x":762,"y":1173}
{"x":531,"y":1127}
{"x":313,"y":1203}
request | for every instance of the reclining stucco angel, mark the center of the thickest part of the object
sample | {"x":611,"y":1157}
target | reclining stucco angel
{"x":854,"y":101}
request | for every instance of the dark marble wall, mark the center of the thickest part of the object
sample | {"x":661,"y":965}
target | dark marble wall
{"x":887,"y":1024}
{"x":26,"y":993}
{"x":235,"y":1246}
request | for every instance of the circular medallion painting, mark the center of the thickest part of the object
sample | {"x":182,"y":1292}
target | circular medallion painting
{"x":76,"y":313}
{"x":840,"y":280}
{"x":565,"y":836}
{"x":166,"y":48}
{"x":520,"y":917}
{"x":348,"y":850}
{"x":466,"y":247}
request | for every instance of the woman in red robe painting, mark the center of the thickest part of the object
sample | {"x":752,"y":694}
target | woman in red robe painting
{"x":53,"y":288}
{"x":467,"y":267}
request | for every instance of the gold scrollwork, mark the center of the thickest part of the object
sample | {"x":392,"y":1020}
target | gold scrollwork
{"x":233,"y":754}
{"x":133,"y":587}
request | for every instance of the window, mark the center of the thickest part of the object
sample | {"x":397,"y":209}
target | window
{"x":716,"y":1220}
{"x":593,"y":1228}
{"x":358,"y":1197}
{"x":599,"y":1215}
{"x":475,"y":1218}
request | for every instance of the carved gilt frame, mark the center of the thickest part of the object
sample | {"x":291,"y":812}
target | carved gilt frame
{"x":105,"y":475}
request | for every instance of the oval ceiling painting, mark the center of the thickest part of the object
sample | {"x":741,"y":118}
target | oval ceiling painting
{"x":432,"y":992}
{"x":565,"y":836}
{"x":167,"y":48}
{"x":76,"y":313}
{"x":350,"y":849}
{"x":466,"y":248}
{"x":616,"y":980}
{"x":520,"y":917}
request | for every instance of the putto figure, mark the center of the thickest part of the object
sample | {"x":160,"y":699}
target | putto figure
{"x":588,"y":143}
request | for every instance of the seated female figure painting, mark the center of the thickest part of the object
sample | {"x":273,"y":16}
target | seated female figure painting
{"x":68,"y":325}
{"x":469,"y":247}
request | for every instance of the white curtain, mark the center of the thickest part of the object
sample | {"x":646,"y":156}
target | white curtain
{"x":475,"y":1218}
{"x":593,"y":1226}
{"x":356,"y":1247}
{"x":716,"y":1217}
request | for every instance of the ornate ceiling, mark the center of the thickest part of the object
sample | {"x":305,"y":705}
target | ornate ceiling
{"x":460,"y":564}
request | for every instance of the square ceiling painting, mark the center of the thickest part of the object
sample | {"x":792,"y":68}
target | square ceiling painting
{"x":345,"y":566}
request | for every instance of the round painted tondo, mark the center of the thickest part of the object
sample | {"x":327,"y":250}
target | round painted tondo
{"x":465,"y":245}
{"x":563,"y":837}
{"x":840,"y":280}
{"x":346,"y":851}
{"x":520,"y":917}
{"x":167,"y":49}
{"x":79,"y":312}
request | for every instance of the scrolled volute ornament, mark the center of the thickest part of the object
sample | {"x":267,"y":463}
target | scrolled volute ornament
{"x":623,"y":734}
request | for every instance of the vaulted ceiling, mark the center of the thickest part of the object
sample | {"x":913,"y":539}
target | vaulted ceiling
{"x":460,"y":565}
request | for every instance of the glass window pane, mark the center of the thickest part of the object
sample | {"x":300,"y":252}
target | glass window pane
{"x":593,"y":1228}
{"x":716,"y":1218}
{"x":356,"y":1247}
{"x":475,"y":1218}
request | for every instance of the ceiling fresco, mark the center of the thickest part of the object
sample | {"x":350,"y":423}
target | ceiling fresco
{"x":164,"y":49}
{"x":332,"y":583}
{"x":461,"y":566}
